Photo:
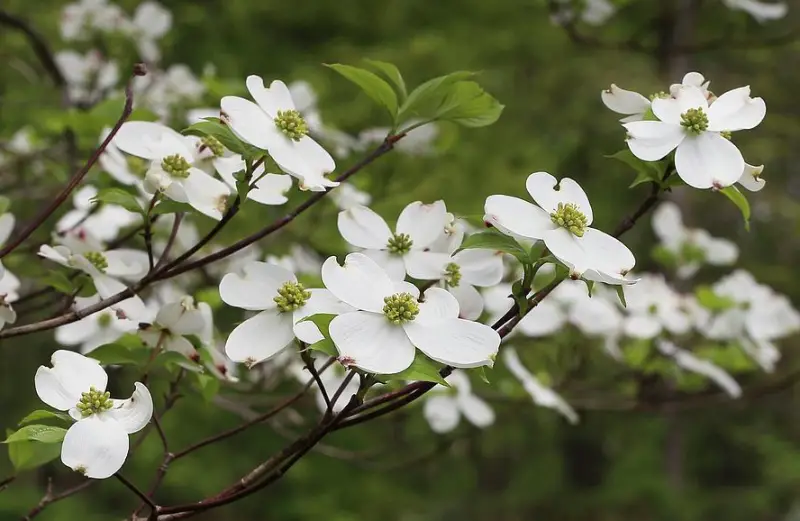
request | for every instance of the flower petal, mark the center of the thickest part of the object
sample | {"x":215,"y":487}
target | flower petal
{"x":271,"y":189}
{"x":256,"y":288}
{"x":150,"y":140}
{"x":512,"y":214}
{"x":61,"y":386}
{"x":205,"y":193}
{"x":135,"y":412}
{"x":272,"y":99}
{"x":736,"y":110}
{"x":476,"y":410}
{"x":362,"y":227}
{"x":708,"y":160}
{"x":95,"y":447}
{"x":322,"y":301}
{"x":540,"y":394}
{"x":652,"y":140}
{"x":642,"y":326}
{"x":426,"y":265}
{"x":371,"y":343}
{"x":483,"y":268}
{"x":392,"y":264}
{"x":543,"y":320}
{"x":454,"y":341}
{"x":542,"y":187}
{"x":751,"y":178}
{"x":261,"y":337}
{"x":248,"y":121}
{"x":624,"y":101}
{"x":437,"y":304}
{"x":360,"y":282}
{"x":442,"y":413}
{"x":470,"y":301}
{"x":6,"y":226}
{"x":422,"y":222}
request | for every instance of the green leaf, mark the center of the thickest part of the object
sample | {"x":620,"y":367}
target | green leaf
{"x":645,"y":170}
{"x":421,"y":369}
{"x":59,"y":281}
{"x":322,"y":321}
{"x":710,"y":300}
{"x":481,"y":372}
{"x":467,"y":104}
{"x":42,"y":414}
{"x":27,"y":455}
{"x":325,"y":346}
{"x":215,"y":128}
{"x":494,"y":240}
{"x":372,"y":85}
{"x":119,"y":197}
{"x":121,"y":354}
{"x":590,"y":287}
{"x":175,"y":360}
{"x":170,"y":206}
{"x":620,"y":295}
{"x":738,"y":198}
{"x":5,"y":203}
{"x":426,"y":98}
{"x":207,"y":385}
{"x":391,"y":73}
{"x":40,"y":433}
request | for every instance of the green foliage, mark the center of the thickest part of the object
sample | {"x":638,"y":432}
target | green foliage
{"x":41,"y":414}
{"x":372,"y":85}
{"x":213,"y":127}
{"x":40,"y":433}
{"x":494,"y":240}
{"x":738,"y":198}
{"x":421,"y":369}
{"x":119,"y":197}
{"x":710,"y":300}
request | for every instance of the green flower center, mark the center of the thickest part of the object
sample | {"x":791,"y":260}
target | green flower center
{"x":104,"y":320}
{"x":97,"y":259}
{"x":659,"y":95}
{"x":213,"y":144}
{"x":176,"y":166}
{"x":727,"y":134}
{"x":291,"y":123}
{"x":137,"y":165}
{"x":94,"y":401}
{"x":694,"y":121}
{"x":291,"y":296}
{"x":568,"y":216}
{"x":400,"y":308}
{"x":452,"y":274}
{"x":399,"y":244}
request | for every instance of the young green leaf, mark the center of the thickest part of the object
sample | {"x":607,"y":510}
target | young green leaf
{"x":121,"y":198}
{"x":426,"y":99}
{"x":27,"y":455}
{"x":738,"y":198}
{"x":710,"y":300}
{"x":170,"y":206}
{"x":325,"y":346}
{"x":645,"y":170}
{"x":467,"y":104}
{"x":40,"y":433}
{"x":119,"y":354}
{"x":42,"y":414}
{"x":620,"y":295}
{"x":372,"y":85}
{"x":421,"y":369}
{"x":322,"y":321}
{"x":493,"y":240}
{"x":59,"y":281}
{"x":214,"y":127}
{"x":391,"y":73}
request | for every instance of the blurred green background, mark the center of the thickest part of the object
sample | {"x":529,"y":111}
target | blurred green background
{"x":717,"y":459}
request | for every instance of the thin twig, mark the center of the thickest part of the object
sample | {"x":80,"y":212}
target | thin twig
{"x":148,"y":230}
{"x":76,"y":179}
{"x":50,"y":498}
{"x":309,"y":361}
{"x":133,"y":488}
{"x":173,"y":234}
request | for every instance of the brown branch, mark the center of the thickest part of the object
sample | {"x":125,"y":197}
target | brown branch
{"x":50,"y":498}
{"x":39,"y":46}
{"x":173,"y":234}
{"x":133,"y":488}
{"x":76,"y":179}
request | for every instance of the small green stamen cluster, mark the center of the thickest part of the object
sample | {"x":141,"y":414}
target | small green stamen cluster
{"x":659,"y":95}
{"x":568,"y":216}
{"x":104,"y":320}
{"x":291,"y":296}
{"x":176,"y":166}
{"x":291,"y":123}
{"x":97,"y":259}
{"x":400,"y":308}
{"x":452,"y":274}
{"x":694,"y":121}
{"x":213,"y":144}
{"x":399,"y":244}
{"x":94,"y":401}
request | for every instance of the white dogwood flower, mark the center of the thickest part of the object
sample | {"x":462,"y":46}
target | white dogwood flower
{"x":562,"y":220}
{"x":172,"y":324}
{"x":92,"y":331}
{"x":96,"y":445}
{"x":653,"y":306}
{"x":401,"y":252}
{"x":541,"y":395}
{"x":104,"y":223}
{"x":391,"y":321}
{"x":172,"y":169}
{"x":274,"y":124}
{"x":444,"y":407}
{"x":282,"y":303}
{"x":698,"y":131}
{"x":760,"y":11}
{"x":634,"y":106}
{"x":686,"y":360}
{"x":348,"y":196}
{"x":268,"y":189}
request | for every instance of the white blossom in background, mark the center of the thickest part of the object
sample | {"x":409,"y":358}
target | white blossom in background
{"x":699,"y":132}
{"x":172,"y":169}
{"x":401,"y":251}
{"x":691,"y":247}
{"x":418,"y":141}
{"x":444,"y":407}
{"x":92,"y":331}
{"x":9,"y":283}
{"x":300,"y":259}
{"x":89,"y":76}
{"x":592,"y":12}
{"x":391,"y":322}
{"x":104,"y":223}
{"x":653,"y":307}
{"x":561,"y":219}
{"x":268,"y":189}
{"x":541,"y":395}
{"x":760,"y":11}
{"x":81,"y":20}
{"x":686,"y":360}
{"x":274,"y":124}
{"x":151,"y":21}
{"x":159,"y":91}
{"x":96,"y":445}
{"x":282,"y":303}
{"x":348,"y":196}
{"x":173,"y":323}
